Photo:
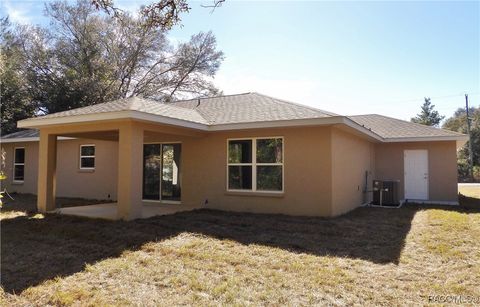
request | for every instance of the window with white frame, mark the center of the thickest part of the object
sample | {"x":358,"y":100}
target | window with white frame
{"x":19,"y":164}
{"x":87,"y":156}
{"x":255,"y":164}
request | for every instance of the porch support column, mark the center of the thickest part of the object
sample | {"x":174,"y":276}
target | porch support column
{"x":46,"y":172}
{"x":130,"y":170}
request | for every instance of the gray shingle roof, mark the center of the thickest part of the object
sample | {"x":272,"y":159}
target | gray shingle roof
{"x":28,"y":133}
{"x":245,"y":108}
{"x":249,"y":107}
{"x":135,"y":104}
{"x":388,"y":127}
{"x":230,"y":109}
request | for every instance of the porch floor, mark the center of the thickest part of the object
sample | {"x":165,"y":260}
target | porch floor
{"x":109,"y":211}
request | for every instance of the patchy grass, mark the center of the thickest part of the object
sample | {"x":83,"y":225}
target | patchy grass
{"x":369,"y":256}
{"x":469,"y":191}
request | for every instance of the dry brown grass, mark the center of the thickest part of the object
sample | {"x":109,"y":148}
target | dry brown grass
{"x":369,"y":256}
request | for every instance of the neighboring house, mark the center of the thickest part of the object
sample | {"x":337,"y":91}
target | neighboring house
{"x":246,"y":152}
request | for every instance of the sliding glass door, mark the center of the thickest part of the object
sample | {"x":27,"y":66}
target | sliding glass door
{"x":170,"y":185}
{"x":152,"y":162}
{"x":162,"y":172}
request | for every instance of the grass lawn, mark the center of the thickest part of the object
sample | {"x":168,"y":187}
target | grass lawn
{"x":369,"y":256}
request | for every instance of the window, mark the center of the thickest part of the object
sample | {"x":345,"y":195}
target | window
{"x":87,"y":156}
{"x":255,"y":164}
{"x":19,"y":165}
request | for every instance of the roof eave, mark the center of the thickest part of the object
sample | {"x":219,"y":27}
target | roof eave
{"x":30,"y":139}
{"x":19,"y":140}
{"x":460,"y":138}
{"x":129,"y":114}
{"x":142,"y":116}
{"x":43,"y":122}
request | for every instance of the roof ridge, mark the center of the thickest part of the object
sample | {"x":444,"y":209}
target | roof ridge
{"x":297,"y":104}
{"x":198,"y":111}
{"x":130,"y":101}
{"x":247,"y":93}
{"x":212,"y":97}
{"x":172,"y":105}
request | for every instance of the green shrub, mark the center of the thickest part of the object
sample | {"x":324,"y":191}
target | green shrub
{"x":476,"y":173}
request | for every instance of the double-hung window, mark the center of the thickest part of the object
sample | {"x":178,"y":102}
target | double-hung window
{"x":255,"y":164}
{"x":19,"y":164}
{"x":87,"y":157}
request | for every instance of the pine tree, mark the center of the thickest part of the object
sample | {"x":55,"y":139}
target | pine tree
{"x":428,"y":116}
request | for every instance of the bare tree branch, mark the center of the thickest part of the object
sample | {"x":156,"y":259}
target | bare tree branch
{"x":163,"y":14}
{"x":214,"y":5}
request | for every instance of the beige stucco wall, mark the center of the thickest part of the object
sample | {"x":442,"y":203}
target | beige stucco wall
{"x":324,"y":167}
{"x":442,"y":164}
{"x":307,"y":173}
{"x":307,"y":170}
{"x":352,"y":157}
{"x":71,"y":181}
{"x":98,"y":184}
{"x":31,"y":167}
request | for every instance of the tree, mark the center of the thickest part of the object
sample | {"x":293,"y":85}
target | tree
{"x":163,"y":14}
{"x":458,"y":123}
{"x":428,"y":116}
{"x":85,"y":57}
{"x":15,"y":100}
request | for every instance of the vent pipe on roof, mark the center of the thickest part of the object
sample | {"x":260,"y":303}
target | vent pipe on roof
{"x":198,"y":104}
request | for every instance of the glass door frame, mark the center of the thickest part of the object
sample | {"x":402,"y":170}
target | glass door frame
{"x":160,"y":200}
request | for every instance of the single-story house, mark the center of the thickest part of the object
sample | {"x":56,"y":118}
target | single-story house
{"x":246,"y":152}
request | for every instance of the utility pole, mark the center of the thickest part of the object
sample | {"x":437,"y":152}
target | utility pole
{"x":470,"y":150}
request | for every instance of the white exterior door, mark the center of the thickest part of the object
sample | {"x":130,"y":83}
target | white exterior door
{"x":416,"y":174}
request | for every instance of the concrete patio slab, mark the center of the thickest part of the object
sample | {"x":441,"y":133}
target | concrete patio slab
{"x":109,"y":211}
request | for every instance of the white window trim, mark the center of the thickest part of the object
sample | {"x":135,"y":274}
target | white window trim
{"x":81,"y":156}
{"x":254,"y":165}
{"x":15,"y":164}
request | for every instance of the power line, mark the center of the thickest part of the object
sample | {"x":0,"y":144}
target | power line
{"x":434,"y":98}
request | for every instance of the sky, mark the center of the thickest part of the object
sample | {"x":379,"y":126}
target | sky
{"x":379,"y":57}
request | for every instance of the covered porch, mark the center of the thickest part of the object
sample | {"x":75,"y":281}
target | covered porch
{"x":133,"y":199}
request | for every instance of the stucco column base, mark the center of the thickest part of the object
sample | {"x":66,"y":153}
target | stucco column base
{"x":46,"y":172}
{"x":130,"y":169}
